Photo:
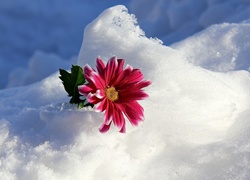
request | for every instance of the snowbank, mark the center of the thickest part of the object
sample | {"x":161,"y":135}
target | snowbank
{"x":226,"y":45}
{"x":196,"y":120}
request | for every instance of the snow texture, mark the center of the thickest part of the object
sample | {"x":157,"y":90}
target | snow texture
{"x":196,"y":119}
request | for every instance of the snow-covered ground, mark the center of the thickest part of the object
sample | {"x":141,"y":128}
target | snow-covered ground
{"x":197,"y":115}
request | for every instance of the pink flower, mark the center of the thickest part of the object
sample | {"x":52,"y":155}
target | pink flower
{"x":115,"y":90}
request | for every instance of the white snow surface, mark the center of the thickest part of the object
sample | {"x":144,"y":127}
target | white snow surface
{"x":196,"y":117}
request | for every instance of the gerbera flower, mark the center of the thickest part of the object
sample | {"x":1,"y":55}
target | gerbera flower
{"x":115,"y":90}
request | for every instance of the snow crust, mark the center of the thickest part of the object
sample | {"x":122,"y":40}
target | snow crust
{"x":196,"y":118}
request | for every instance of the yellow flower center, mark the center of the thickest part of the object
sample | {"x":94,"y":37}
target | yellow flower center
{"x":111,"y":93}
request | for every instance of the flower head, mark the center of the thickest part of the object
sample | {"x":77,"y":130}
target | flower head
{"x":115,"y":90}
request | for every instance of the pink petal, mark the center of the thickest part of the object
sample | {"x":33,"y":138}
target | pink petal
{"x":100,"y":66}
{"x":97,"y":80}
{"x":132,"y":92}
{"x":142,"y":84}
{"x":91,"y":98}
{"x":123,"y":129}
{"x":118,"y":118}
{"x":135,"y":86}
{"x":122,"y":76}
{"x":104,"y":128}
{"x":100,"y":94}
{"x":93,"y":77}
{"x":134,"y":77}
{"x":110,"y":70}
{"x":87,"y":70}
{"x":114,"y":114}
{"x":133,"y":111}
{"x":108,"y":115}
{"x":117,"y":72}
{"x":120,"y":66}
{"x":102,"y":105}
{"x":85,"y":89}
{"x":131,"y":95}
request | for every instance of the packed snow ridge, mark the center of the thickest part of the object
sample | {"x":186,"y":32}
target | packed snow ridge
{"x":196,"y":117}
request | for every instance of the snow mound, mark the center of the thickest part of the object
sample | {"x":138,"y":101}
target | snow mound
{"x":196,"y":120}
{"x":226,"y":45}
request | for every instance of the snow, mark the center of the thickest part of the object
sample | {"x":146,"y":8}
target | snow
{"x":230,"y":52}
{"x":196,"y":117}
{"x":174,"y":20}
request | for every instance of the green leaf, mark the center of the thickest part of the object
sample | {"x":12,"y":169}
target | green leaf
{"x":71,"y":81}
{"x":81,"y":105}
